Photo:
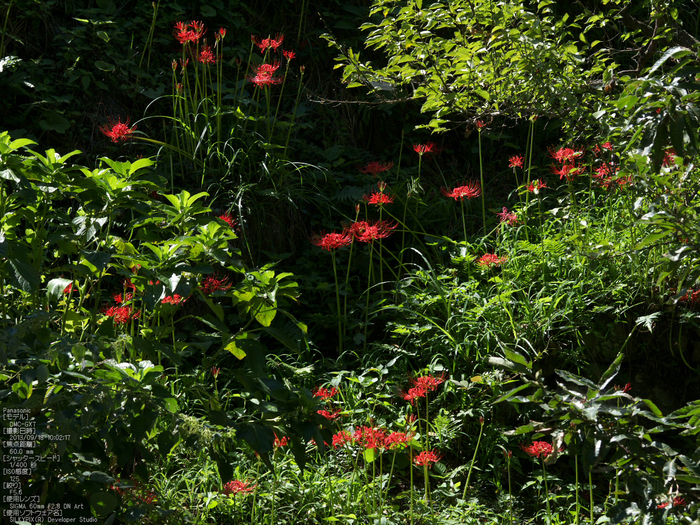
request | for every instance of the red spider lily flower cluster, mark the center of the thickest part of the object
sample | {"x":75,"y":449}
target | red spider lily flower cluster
{"x":121,"y":314}
{"x":413,"y":393}
{"x":227,"y":218}
{"x":221,"y":34}
{"x":324,"y":393}
{"x":427,"y":458}
{"x":537,"y":449}
{"x":623,"y":389}
{"x":69,"y":288}
{"x":600,"y":147}
{"x":332,"y":241}
{"x":669,"y":155}
{"x":691,"y":297}
{"x":508,"y":217}
{"x":214,"y":284}
{"x":567,"y":157}
{"x":536,"y":185}
{"x":374,"y":168}
{"x":363,"y":231}
{"x":490,"y":259}
{"x":280,"y":442}
{"x":173,"y":299}
{"x":118,"y":131}
{"x":289,"y":55}
{"x":146,"y":497}
{"x":516,"y":161}
{"x":378,"y":198}
{"x":605,"y":175}
{"x":215,"y":371}
{"x":677,"y":502}
{"x":342,"y":438}
{"x":396,"y":439}
{"x":189,"y":32}
{"x":265,"y":75}
{"x":122,"y":298}
{"x":428,"y":147}
{"x":238,"y":487}
{"x":480,"y":124}
{"x":206,"y":56}
{"x":370,"y":437}
{"x":265,"y":43}
{"x":330,"y":416}
{"x":421,"y":386}
{"x":470,"y":190}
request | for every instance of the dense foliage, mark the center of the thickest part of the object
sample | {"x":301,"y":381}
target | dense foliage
{"x":250,"y":295}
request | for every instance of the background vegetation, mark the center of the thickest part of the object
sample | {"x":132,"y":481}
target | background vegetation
{"x":387,"y":262}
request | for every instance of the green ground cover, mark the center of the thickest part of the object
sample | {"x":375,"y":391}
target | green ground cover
{"x":383,"y":263}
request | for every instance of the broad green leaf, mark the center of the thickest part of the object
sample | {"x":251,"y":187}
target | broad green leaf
{"x":103,"y":502}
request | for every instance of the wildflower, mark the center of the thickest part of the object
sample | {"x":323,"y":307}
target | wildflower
{"x":508,"y":216}
{"x":677,"y":502}
{"x":369,"y":437}
{"x":289,"y":55}
{"x":378,"y":198}
{"x":173,"y":299}
{"x":183,"y":65}
{"x":597,"y":148}
{"x":238,"y":487}
{"x":184,"y":34}
{"x":565,"y":154}
{"x":215,"y":371}
{"x":428,"y":147}
{"x":226,"y":217}
{"x":69,"y":288}
{"x":395,"y":439}
{"x":414,"y":393}
{"x":375,"y":167}
{"x":508,"y":454}
{"x":280,"y":442}
{"x":330,"y":416}
{"x":471,"y":190}
{"x":568,"y":170}
{"x":366,"y":232}
{"x":333,"y":240}
{"x":206,"y":56}
{"x":623,"y":389}
{"x":120,"y":299}
{"x":118,"y":131}
{"x":213,"y":284}
{"x":490,"y":259}
{"x":536,"y":185}
{"x":669,"y":155}
{"x":276,"y":42}
{"x":429,"y":383}
{"x":221,"y":34}
{"x":341,"y":438}
{"x":265,"y":75}
{"x":262,"y":44}
{"x":480,"y":124}
{"x":516,"y":161}
{"x":427,"y":457}
{"x":324,"y":393}
{"x":537,"y":449}
{"x":121,"y":314}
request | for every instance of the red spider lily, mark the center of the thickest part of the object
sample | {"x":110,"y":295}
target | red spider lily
{"x":429,"y":383}
{"x":265,"y":75}
{"x":341,"y":438}
{"x":264,"y":43}
{"x":375,"y":167}
{"x":238,"y":487}
{"x":118,"y":131}
{"x":332,"y":241}
{"x":677,"y":502}
{"x":280,"y":442}
{"x":324,"y":393}
{"x":366,"y":232}
{"x":537,"y":449}
{"x":516,"y":161}
{"x":565,"y":154}
{"x":226,"y":217}
{"x":120,"y":299}
{"x":414,"y":393}
{"x":276,"y":42}
{"x":597,"y":148}
{"x":330,"y":416}
{"x":508,"y":454}
{"x":395,"y":439}
{"x":369,"y":437}
{"x":213,"y":284}
{"x":428,"y":147}
{"x":378,"y":198}
{"x":623,"y":389}
{"x":184,"y":34}
{"x":289,"y":55}
{"x":669,"y":155}
{"x":508,"y":216}
{"x":221,"y":34}
{"x":568,"y":170}
{"x":121,"y":314}
{"x":536,"y":185}
{"x":215,"y":371}
{"x":173,"y":299}
{"x":471,"y":190}
{"x":183,"y":65}
{"x":691,"y":296}
{"x":490,"y":259}
{"x":427,"y":457}
{"x":480,"y":124}
{"x":206,"y":56}
{"x":69,"y":288}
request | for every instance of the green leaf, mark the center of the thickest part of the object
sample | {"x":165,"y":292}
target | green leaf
{"x":24,"y":275}
{"x":655,"y":410}
{"x":237,"y":351}
{"x":56,"y":286}
{"x":104,"y":66}
{"x":103,"y":503}
{"x":674,"y":52}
